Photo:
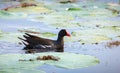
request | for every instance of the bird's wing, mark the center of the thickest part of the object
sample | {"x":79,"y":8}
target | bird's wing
{"x":34,"y":40}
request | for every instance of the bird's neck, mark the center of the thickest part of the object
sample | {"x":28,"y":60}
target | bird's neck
{"x":60,"y":40}
{"x":60,"y":43}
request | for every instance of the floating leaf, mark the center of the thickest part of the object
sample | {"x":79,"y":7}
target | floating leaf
{"x":73,"y":9}
{"x":66,"y":24}
{"x":72,"y":61}
{"x":64,"y":1}
{"x":20,"y":71}
{"x":31,"y":10}
{"x":66,"y":60}
{"x":37,"y":32}
{"x":114,"y":9}
{"x":11,"y":61}
{"x":102,"y":22}
{"x":93,"y":35}
{"x":13,"y":37}
{"x":48,"y":34}
{"x":52,"y":18}
{"x":5,"y":14}
{"x":33,"y":31}
{"x":83,"y":9}
{"x":10,"y":37}
{"x":56,"y":20}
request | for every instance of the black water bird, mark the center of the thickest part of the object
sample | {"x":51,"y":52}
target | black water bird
{"x":33,"y":42}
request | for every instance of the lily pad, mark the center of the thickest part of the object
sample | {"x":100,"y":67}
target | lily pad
{"x":5,"y":14}
{"x":91,"y":13}
{"x":48,"y":34}
{"x":10,"y":37}
{"x":69,"y":24}
{"x":56,"y":20}
{"x":13,"y":36}
{"x":94,"y":35}
{"x":40,"y":8}
{"x":11,"y":61}
{"x":65,"y":1}
{"x":66,"y":60}
{"x":59,"y":7}
{"x":73,"y":9}
{"x":52,"y":18}
{"x":101,"y":23}
{"x":72,"y":61}
{"x":20,"y":71}
{"x":37,"y":32}
{"x":83,"y":9}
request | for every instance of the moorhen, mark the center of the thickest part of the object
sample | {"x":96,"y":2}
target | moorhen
{"x":33,"y":42}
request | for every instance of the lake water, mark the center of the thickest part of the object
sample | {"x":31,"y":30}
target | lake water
{"x":109,"y":57}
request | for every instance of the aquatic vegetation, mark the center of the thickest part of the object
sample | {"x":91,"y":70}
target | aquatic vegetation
{"x":115,"y":8}
{"x":44,"y":58}
{"x":67,"y":1}
{"x":90,"y":23}
{"x":52,"y":18}
{"x":4,"y":13}
{"x":62,"y":18}
{"x":48,"y":34}
{"x":89,"y":39}
{"x":9,"y":15}
{"x":30,"y":10}
{"x":83,"y":9}
{"x":28,"y":4}
{"x":73,"y":9}
{"x":92,"y":35}
{"x":65,"y":15}
{"x":38,"y":8}
{"x":26,"y":7}
{"x":10,"y":37}
{"x":114,"y":43}
{"x":13,"y":37}
{"x":30,"y":61}
{"x":20,"y":71}
{"x":37,"y":32}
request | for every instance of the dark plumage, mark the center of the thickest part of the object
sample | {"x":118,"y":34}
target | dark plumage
{"x":33,"y":42}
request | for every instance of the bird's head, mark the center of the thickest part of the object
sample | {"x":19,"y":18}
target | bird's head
{"x":64,"y":32}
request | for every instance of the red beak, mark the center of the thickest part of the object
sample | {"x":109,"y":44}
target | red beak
{"x":68,"y":34}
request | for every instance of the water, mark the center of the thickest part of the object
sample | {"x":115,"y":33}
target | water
{"x":109,"y":57}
